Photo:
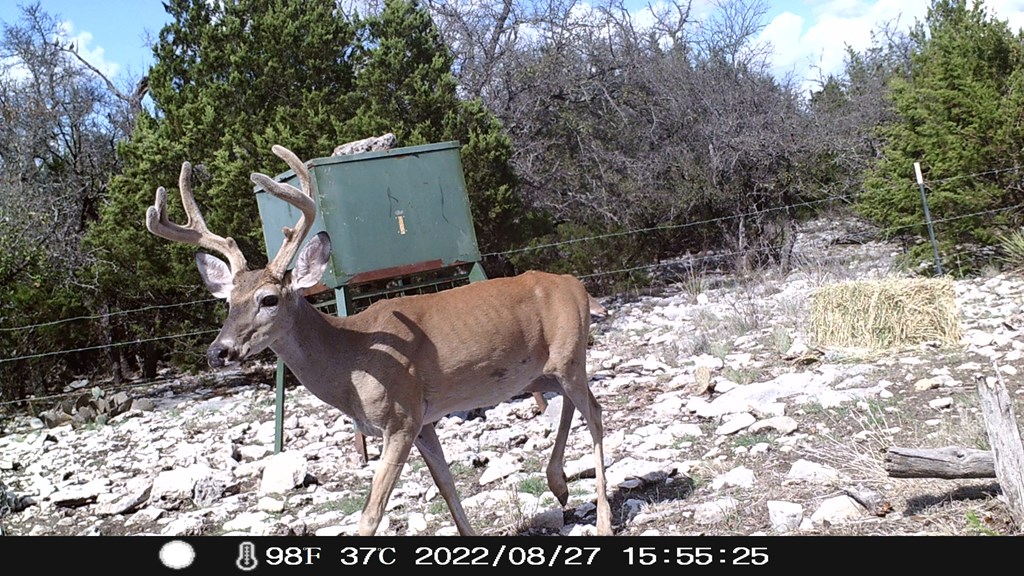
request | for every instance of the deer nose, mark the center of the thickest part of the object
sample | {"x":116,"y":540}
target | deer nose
{"x":218,"y":355}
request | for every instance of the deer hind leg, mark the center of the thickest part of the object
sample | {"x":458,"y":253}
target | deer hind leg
{"x":394,"y":454}
{"x":578,"y":391}
{"x":430,"y":448}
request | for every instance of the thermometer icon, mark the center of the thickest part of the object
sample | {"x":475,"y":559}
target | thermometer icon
{"x":246,"y":557}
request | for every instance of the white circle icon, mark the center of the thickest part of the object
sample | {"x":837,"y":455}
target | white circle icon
{"x":177,"y":554}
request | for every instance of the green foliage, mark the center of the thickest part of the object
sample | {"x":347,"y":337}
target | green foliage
{"x":534,"y":485}
{"x":977,"y":527}
{"x":57,"y":129}
{"x":405,"y":86}
{"x":233,"y":78}
{"x":958,"y":115}
{"x":37,"y":297}
{"x":579,"y":249}
{"x":1012,"y":245}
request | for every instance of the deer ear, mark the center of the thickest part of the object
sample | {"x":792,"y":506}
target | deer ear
{"x":312,"y":262}
{"x":216,"y":275}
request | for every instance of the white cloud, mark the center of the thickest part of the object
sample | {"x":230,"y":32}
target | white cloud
{"x":93,"y":55}
{"x":1010,"y":10}
{"x":813,"y":49}
{"x":783,"y":33}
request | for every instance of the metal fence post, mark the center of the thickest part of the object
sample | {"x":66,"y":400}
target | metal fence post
{"x":279,"y":408}
{"x":928,"y":219}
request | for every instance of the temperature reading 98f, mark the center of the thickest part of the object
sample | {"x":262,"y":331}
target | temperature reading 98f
{"x":292,"y":555}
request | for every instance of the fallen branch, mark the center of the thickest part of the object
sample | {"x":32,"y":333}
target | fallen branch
{"x":1005,"y":462}
{"x":949,"y":462}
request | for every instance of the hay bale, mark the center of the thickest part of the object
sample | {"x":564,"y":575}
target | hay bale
{"x":888,"y":313}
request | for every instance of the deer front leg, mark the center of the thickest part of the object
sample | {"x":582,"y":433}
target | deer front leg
{"x":430,"y":448}
{"x":555,"y":470}
{"x":394,"y":454}
{"x":577,"y":391}
{"x":604,"y":511}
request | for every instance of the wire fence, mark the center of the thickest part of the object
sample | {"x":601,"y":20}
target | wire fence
{"x":715,"y":255}
{"x":671,"y":226}
{"x":107,"y":315}
{"x":105,"y":346}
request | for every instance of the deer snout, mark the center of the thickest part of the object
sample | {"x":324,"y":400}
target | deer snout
{"x":220,"y":354}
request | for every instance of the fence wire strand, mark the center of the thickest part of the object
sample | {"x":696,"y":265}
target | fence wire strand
{"x":712,"y":255}
{"x":111,"y":345}
{"x":108,"y":315}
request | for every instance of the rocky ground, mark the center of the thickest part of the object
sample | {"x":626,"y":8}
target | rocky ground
{"x":721,"y":416}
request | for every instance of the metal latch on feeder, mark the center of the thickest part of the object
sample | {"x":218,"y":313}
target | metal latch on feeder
{"x":400,"y":215}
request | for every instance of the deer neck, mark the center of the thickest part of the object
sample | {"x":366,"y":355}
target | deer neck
{"x":314,"y":349}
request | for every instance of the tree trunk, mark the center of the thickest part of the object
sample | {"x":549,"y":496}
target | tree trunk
{"x":113,"y":353}
{"x":149,"y":360}
{"x":1004,"y":437}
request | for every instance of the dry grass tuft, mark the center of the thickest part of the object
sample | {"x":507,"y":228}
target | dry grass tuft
{"x":888,"y":313}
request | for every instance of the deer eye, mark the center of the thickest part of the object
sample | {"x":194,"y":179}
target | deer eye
{"x":268,"y":301}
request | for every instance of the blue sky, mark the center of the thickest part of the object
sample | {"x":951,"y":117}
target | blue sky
{"x":111,"y":33}
{"x":807,"y":36}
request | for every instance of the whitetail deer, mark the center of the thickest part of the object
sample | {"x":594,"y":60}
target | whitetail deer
{"x":401,"y":364}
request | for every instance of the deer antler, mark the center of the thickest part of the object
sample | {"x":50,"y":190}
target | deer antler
{"x":194,"y":231}
{"x":301,"y":199}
